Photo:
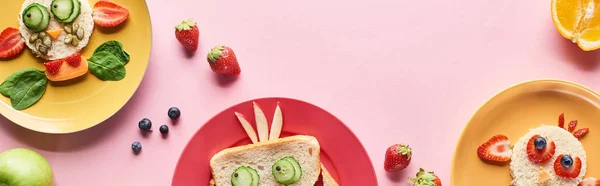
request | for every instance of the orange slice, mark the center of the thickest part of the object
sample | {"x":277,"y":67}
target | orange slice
{"x":578,"y":21}
{"x":54,"y":33}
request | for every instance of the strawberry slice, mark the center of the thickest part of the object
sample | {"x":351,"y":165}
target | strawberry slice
{"x":10,"y":43}
{"x":567,"y":167}
{"x":572,"y":125}
{"x":591,"y":181}
{"x":53,"y":66}
{"x":561,"y":120}
{"x":539,"y":150}
{"x":497,"y":149}
{"x":581,"y":132}
{"x":74,"y":60}
{"x":109,"y":14}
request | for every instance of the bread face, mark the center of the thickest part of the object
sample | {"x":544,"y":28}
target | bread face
{"x":59,"y":49}
{"x":525,"y":173}
{"x":262,"y":155}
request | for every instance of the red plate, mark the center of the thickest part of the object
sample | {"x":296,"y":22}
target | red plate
{"x":341,"y":152}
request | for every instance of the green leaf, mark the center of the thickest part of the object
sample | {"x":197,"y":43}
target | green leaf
{"x":11,"y":80}
{"x":28,"y":89}
{"x":115,"y":48}
{"x":106,"y":66}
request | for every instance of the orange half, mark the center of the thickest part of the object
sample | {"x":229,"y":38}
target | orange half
{"x":578,"y":21}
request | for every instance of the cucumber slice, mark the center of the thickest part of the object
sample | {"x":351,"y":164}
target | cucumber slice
{"x":283,"y":171}
{"x":62,"y":9}
{"x":241,"y":177}
{"x":76,"y":12}
{"x":36,"y":17}
{"x":297,"y":170}
{"x":255,"y":177}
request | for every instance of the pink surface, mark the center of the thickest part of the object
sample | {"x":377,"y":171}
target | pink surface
{"x":393,"y":71}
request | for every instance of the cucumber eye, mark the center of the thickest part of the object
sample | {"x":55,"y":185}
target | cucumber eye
{"x":28,"y":14}
{"x":55,"y":6}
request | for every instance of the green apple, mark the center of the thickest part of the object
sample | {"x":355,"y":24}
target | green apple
{"x":23,"y":167}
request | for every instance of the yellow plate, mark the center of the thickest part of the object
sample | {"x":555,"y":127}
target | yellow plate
{"x":80,"y":104}
{"x":513,"y":112}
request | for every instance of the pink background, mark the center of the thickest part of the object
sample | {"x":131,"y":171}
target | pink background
{"x":393,"y":71}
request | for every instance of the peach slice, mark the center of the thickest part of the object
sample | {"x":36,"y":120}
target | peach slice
{"x":68,"y":72}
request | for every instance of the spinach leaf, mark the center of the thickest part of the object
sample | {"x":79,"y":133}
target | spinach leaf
{"x":28,"y":89}
{"x":11,"y":80}
{"x":106,"y":66}
{"x":116,"y":48}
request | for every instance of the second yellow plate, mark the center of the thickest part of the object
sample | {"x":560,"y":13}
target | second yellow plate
{"x":513,"y":112}
{"x":81,"y":104}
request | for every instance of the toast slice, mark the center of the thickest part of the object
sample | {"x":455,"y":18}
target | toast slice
{"x":261,"y":157}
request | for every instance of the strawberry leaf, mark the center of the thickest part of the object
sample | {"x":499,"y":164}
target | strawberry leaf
{"x":185,"y":25}
{"x":215,"y":53}
{"x":405,"y":150}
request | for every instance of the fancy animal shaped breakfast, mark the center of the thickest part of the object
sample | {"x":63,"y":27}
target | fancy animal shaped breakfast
{"x":56,"y":31}
{"x":546,"y":155}
{"x":270,"y":160}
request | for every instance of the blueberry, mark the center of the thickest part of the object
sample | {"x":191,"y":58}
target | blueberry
{"x":540,"y":143}
{"x":164,"y":129}
{"x":174,"y":113}
{"x":566,"y":161}
{"x":145,"y":124}
{"x":136,"y":146}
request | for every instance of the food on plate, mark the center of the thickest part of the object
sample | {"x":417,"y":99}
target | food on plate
{"x":276,"y":123}
{"x":397,"y":157}
{"x":293,"y":160}
{"x":261,"y":123}
{"x":496,"y":150}
{"x":136,"y":146}
{"x":24,"y":87}
{"x":578,"y":21}
{"x":108,"y":61}
{"x":65,"y":69}
{"x":548,"y":155}
{"x":145,"y":124}
{"x":109,"y":14}
{"x":222,"y":60}
{"x":164,"y":129}
{"x":24,"y":167}
{"x":174,"y":113}
{"x":10,"y":43}
{"x":188,"y":35}
{"x":581,"y":132}
{"x":425,"y":179}
{"x":591,"y":181}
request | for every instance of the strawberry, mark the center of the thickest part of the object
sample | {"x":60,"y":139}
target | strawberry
{"x":567,"y":167}
{"x":426,"y":179}
{"x":591,"y":181}
{"x":572,"y":125}
{"x":10,"y":43}
{"x":539,"y":150}
{"x":581,"y":132}
{"x":109,"y":14}
{"x":497,"y":149}
{"x":53,"y":66}
{"x":222,"y":60}
{"x":74,"y":60}
{"x":561,"y":120}
{"x":397,"y":157}
{"x":187,"y":34}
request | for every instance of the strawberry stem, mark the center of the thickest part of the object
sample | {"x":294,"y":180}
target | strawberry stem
{"x":215,"y":53}
{"x":185,"y":25}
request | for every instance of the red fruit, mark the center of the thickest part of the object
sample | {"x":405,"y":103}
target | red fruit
{"x":571,"y":172}
{"x":572,"y":125}
{"x":74,"y":60}
{"x":53,"y":66}
{"x":496,"y":149}
{"x":187,"y":34}
{"x":426,"y":179}
{"x":397,"y":157}
{"x":10,"y":43}
{"x":581,"y":132}
{"x":591,"y":181}
{"x":109,"y":14}
{"x":222,"y":60}
{"x":561,"y":120}
{"x":539,"y":156}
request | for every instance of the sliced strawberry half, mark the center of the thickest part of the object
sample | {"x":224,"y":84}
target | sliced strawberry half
{"x":572,"y":125}
{"x":10,"y":43}
{"x":53,"y":66}
{"x":567,"y":167}
{"x":581,"y":132}
{"x":591,"y":181}
{"x":74,"y":60}
{"x":540,"y":151}
{"x":109,"y":14}
{"x":561,"y":120}
{"x":497,"y":149}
